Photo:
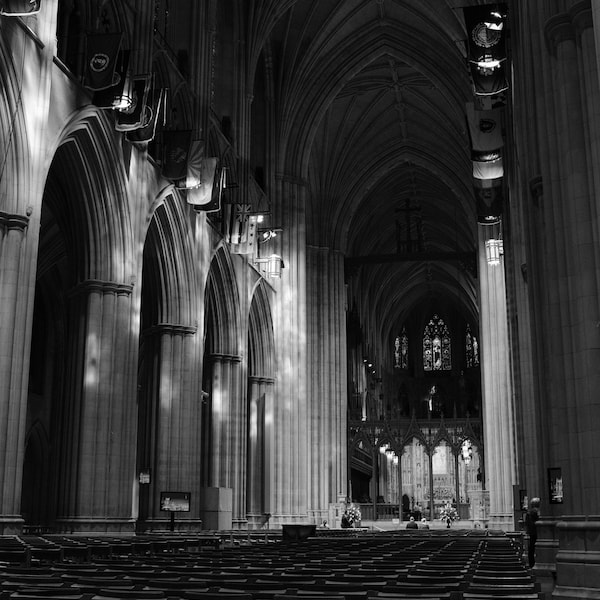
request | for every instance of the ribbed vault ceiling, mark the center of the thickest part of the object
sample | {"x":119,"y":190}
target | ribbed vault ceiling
{"x":373,"y":96}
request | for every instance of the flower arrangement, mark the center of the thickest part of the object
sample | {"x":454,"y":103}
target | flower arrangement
{"x":448,"y":513}
{"x":354,"y":513}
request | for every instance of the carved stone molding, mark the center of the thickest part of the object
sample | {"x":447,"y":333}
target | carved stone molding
{"x":103,"y":287}
{"x":8,"y":221}
{"x":567,"y":26}
{"x":558,"y":29}
{"x":581,"y":16}
{"x":261,"y":380}
{"x":170,"y":329}
{"x":217,"y":357}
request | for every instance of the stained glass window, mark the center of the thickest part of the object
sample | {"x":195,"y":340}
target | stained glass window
{"x":471,"y":349}
{"x":404,"y":349}
{"x":437,"y":354}
{"x":401,"y":351}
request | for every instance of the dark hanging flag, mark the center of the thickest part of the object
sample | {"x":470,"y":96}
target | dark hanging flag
{"x":486,"y":32}
{"x":152,"y":114}
{"x":195,"y":176}
{"x":19,"y":8}
{"x":488,"y":200}
{"x":207,"y":197}
{"x":488,"y":81}
{"x":135,"y":116}
{"x":101,"y":57}
{"x":176,"y":150}
{"x":119,"y":95}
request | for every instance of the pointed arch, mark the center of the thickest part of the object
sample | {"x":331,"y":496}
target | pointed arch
{"x":222,"y":307}
{"x":169,"y":270}
{"x":14,"y":156}
{"x":35,"y":505}
{"x":86,"y":193}
{"x":260,"y":334}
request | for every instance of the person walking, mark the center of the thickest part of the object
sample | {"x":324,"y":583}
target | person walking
{"x":531,"y":518}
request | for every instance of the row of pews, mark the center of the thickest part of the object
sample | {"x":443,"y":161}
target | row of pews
{"x":266,"y":566}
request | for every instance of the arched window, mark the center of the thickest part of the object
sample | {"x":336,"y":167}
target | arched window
{"x":401,"y":351}
{"x":471,"y":349}
{"x":437,"y":355}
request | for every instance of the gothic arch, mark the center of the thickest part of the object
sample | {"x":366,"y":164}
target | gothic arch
{"x":36,"y":505}
{"x":170,"y":274}
{"x":260,"y":335}
{"x":86,"y":193}
{"x":14,"y":157}
{"x":222,"y":303}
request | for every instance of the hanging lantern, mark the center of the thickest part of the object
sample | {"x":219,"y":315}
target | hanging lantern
{"x":493,"y":250}
{"x":274,"y":266}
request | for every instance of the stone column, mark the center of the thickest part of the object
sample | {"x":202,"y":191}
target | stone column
{"x":13,"y":369}
{"x":290,"y":330}
{"x":172,"y":422}
{"x":259,"y":460}
{"x":575,"y":411}
{"x":575,"y":414}
{"x":497,"y":389}
{"x":97,"y":416}
{"x":229,"y":432}
{"x":327,"y":367}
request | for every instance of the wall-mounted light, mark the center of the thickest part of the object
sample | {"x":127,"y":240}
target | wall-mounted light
{"x":264,"y":235}
{"x":274,"y":265}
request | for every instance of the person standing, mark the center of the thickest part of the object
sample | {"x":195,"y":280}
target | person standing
{"x":531,"y":518}
{"x":346,"y":521}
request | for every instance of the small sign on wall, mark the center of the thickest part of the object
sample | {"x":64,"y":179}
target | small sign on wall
{"x":175,"y":501}
{"x":555,"y":485}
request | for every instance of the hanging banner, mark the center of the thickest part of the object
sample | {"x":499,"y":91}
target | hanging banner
{"x":209,"y":199}
{"x":485,"y":129}
{"x":134,"y":117}
{"x":487,"y":166}
{"x":486,"y":32}
{"x":101,"y":58}
{"x":489,"y":198}
{"x":120,"y":95}
{"x":488,"y":81}
{"x":176,"y":150}
{"x":152,"y":113}
{"x":19,"y":8}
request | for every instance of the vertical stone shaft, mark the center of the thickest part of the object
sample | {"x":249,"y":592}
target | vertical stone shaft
{"x":327,"y":368}
{"x":497,"y":390}
{"x":12,"y":395}
{"x":97,"y":418}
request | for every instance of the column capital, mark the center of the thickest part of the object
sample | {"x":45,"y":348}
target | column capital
{"x":103,"y":287}
{"x":170,"y":329}
{"x":11,"y":221}
{"x":259,"y":380}
{"x":581,"y":16}
{"x":558,"y":29}
{"x":219,"y":357}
